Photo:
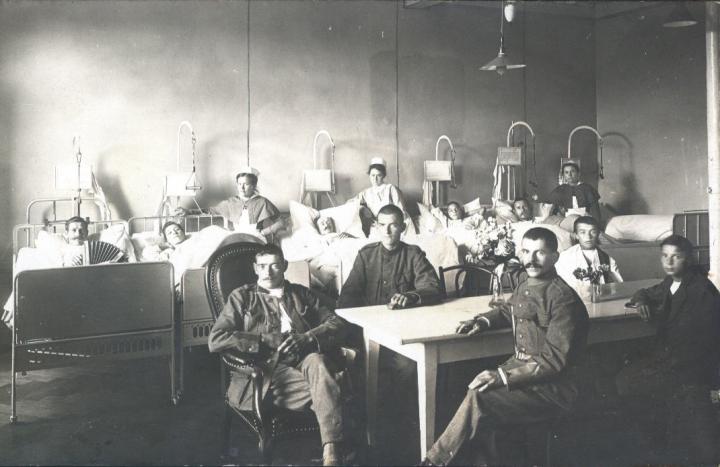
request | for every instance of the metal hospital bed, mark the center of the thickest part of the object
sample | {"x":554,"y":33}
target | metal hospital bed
{"x":194,"y":311}
{"x":79,"y":315}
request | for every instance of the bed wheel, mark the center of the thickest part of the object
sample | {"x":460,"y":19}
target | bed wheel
{"x":176,"y":399}
{"x":13,"y":419}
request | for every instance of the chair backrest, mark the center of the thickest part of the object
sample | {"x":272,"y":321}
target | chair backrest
{"x":230,"y":267}
{"x":468,"y":280}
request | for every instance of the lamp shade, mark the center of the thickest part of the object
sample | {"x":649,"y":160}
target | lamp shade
{"x":501,"y":63}
{"x":679,"y":17}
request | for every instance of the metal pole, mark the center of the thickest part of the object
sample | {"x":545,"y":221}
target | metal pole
{"x":712,"y":46}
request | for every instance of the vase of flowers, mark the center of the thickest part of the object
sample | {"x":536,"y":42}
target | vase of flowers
{"x":492,"y":243}
{"x":590,"y":281}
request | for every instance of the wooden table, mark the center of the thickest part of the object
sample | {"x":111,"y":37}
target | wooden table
{"x":427,"y":336}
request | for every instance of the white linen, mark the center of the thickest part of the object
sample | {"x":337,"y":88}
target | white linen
{"x":573,"y":258}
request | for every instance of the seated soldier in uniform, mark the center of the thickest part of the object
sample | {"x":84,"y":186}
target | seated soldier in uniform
{"x":588,"y":256}
{"x":393,"y":273}
{"x":550,"y":326}
{"x":676,"y":374}
{"x":288,"y":322}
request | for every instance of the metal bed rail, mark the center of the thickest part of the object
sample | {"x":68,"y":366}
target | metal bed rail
{"x":85,"y":314}
{"x":695,"y":226}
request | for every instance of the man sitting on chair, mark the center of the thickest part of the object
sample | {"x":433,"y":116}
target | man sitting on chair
{"x":287,"y":321}
{"x":585,"y":255}
{"x":390,"y":271}
{"x":550,"y":326}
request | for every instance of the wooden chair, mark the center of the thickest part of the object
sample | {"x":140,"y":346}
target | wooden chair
{"x":228,"y":268}
{"x":469,"y":280}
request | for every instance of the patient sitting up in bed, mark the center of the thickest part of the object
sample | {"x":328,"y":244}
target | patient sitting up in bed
{"x":578,"y":264}
{"x":76,"y":234}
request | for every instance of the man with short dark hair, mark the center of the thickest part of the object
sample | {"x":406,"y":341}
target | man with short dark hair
{"x":588,"y":256}
{"x":522,"y":209}
{"x":288,"y":323}
{"x":390,"y":271}
{"x":677,"y":373}
{"x":550,"y":325}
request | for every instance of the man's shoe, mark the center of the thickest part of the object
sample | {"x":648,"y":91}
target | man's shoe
{"x":332,"y":454}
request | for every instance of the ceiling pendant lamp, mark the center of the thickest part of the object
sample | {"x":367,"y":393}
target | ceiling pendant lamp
{"x":680,"y":17}
{"x":502,"y":62}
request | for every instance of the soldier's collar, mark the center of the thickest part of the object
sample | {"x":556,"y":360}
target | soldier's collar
{"x":535,"y":281}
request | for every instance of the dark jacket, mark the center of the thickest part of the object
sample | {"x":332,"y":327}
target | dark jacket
{"x":378,"y":274}
{"x":550,"y":327}
{"x":251,"y":316}
{"x":688,"y":338}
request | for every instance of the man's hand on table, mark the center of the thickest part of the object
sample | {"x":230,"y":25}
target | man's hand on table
{"x":488,"y":379}
{"x":472,"y":326}
{"x":403,"y":300}
{"x":644,"y":312}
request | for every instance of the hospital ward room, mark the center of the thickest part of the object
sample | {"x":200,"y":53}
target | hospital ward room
{"x":360,"y":232}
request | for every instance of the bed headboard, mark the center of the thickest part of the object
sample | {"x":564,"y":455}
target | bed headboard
{"x":24,"y":235}
{"x":190,"y":223}
{"x":74,"y":302}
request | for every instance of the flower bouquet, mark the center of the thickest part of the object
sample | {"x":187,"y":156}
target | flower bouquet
{"x":492,"y":243}
{"x":590,"y":274}
{"x":590,"y":278}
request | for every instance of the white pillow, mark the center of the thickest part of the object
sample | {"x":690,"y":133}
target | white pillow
{"x":427,"y":222}
{"x":51,"y":244}
{"x":640,"y":227}
{"x":346,"y":217}
{"x":143,"y":242}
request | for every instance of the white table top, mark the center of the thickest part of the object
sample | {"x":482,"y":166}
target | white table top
{"x":438,"y":322}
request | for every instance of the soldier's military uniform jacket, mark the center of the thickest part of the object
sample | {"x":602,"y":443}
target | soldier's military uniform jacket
{"x":251,"y":318}
{"x":550,"y":326}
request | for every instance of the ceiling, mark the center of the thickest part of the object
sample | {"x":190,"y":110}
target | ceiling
{"x":580,"y":9}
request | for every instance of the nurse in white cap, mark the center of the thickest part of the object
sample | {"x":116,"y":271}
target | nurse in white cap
{"x":379,"y":193}
{"x":249,"y":211}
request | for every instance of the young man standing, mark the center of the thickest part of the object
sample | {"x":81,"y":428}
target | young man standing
{"x":550,"y":326}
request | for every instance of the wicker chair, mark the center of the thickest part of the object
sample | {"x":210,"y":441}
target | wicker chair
{"x":231,"y":266}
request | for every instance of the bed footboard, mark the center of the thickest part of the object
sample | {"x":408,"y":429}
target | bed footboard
{"x":80,"y":315}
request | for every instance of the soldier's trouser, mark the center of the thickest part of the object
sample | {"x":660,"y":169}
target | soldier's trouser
{"x":469,"y":439}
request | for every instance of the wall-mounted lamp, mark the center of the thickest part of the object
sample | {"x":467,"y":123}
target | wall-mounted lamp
{"x":502,"y":62}
{"x":680,"y":17}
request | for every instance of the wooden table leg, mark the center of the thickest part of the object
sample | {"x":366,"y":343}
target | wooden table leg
{"x":427,"y":364}
{"x":372,"y":351}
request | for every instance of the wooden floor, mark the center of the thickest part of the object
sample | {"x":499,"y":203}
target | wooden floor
{"x":121,"y":415}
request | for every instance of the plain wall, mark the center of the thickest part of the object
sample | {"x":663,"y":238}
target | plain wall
{"x":383,"y":80}
{"x":651,"y":110}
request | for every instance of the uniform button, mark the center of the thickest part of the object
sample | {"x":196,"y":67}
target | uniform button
{"x":520,"y":320}
{"x":527,"y":292}
{"x":520,"y":336}
{"x":384,"y":282}
{"x":522,"y":349}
